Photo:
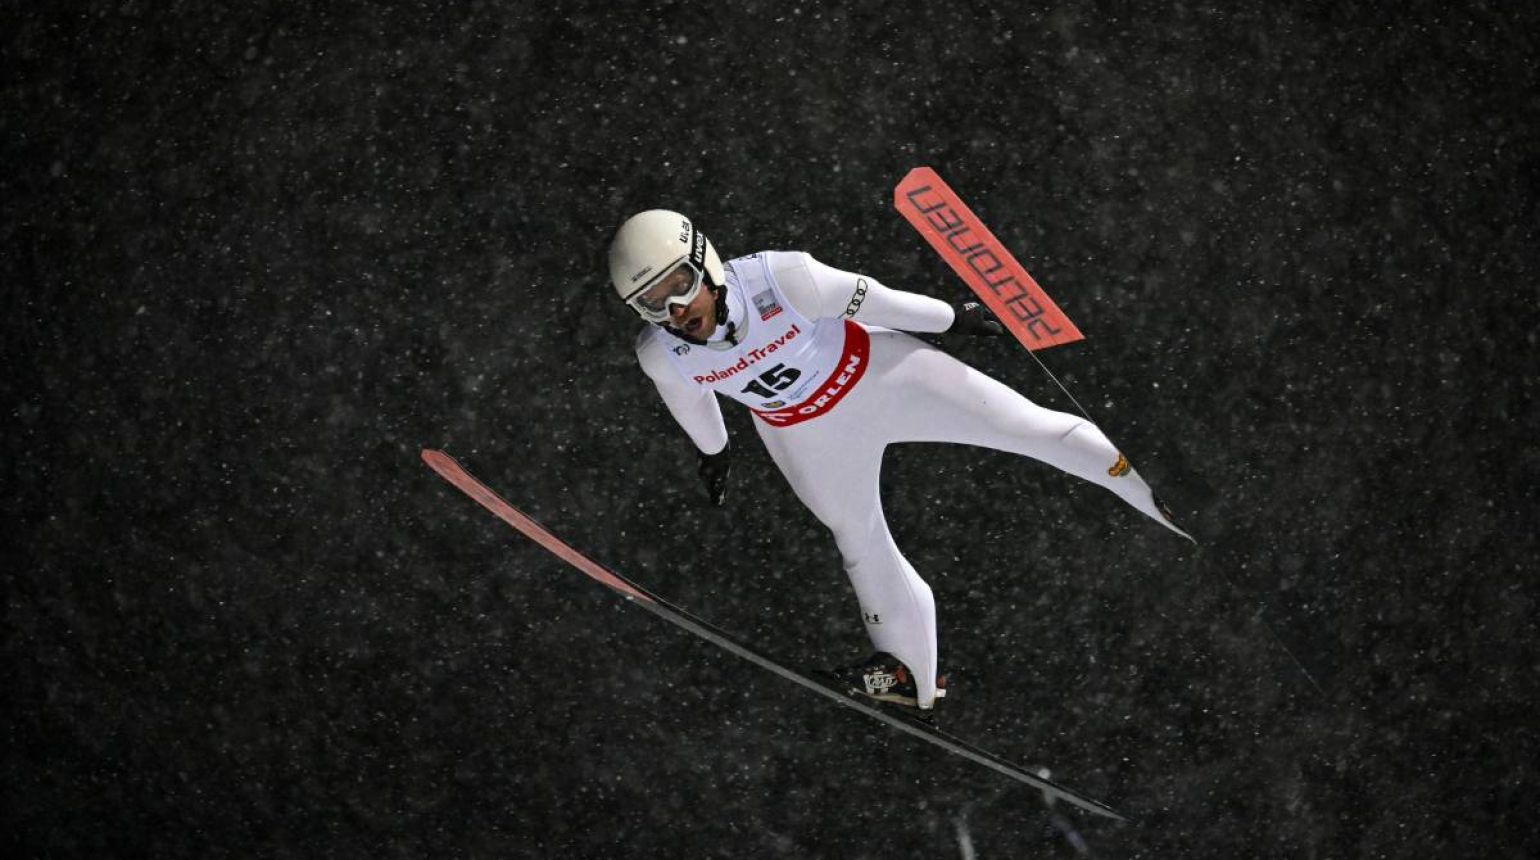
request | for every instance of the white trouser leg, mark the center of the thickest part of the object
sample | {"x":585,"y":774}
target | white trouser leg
{"x":913,"y":392}
{"x":834,"y":467}
{"x":933,"y":397}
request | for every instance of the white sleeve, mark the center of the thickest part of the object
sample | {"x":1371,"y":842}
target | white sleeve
{"x":820,"y":291}
{"x":693,"y":406}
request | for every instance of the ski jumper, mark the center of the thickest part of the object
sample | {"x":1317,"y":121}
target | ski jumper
{"x":832,"y":384}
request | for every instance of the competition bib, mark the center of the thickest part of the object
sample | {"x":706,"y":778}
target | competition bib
{"x":787,"y":368}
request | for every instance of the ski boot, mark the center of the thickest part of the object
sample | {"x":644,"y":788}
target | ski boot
{"x":1165,"y":513}
{"x":885,"y":678}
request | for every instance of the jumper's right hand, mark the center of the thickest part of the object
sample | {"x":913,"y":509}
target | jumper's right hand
{"x":972,"y":318}
{"x":713,"y":471}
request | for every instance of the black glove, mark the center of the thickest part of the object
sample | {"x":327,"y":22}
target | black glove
{"x":713,"y":470}
{"x":972,"y":318}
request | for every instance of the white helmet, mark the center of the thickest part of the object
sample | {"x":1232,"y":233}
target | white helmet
{"x":658,"y":260}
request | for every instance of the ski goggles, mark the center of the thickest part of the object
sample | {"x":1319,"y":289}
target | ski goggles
{"x":679,"y":285}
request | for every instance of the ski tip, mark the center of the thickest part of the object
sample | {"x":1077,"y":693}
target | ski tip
{"x":1053,"y":793}
{"x":439,"y":461}
{"x":1105,"y":811}
{"x":1116,"y":816}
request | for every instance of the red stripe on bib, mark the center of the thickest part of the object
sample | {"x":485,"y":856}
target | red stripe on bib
{"x":851,"y":367}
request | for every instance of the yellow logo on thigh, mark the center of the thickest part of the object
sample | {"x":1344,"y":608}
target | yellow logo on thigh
{"x":1120,"y":468}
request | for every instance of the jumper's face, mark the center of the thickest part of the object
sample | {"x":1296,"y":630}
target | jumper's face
{"x":697,"y":319}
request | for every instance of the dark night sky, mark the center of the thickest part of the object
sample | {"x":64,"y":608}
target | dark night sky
{"x":256,"y":256}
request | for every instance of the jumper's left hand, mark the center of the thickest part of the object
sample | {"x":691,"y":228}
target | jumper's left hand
{"x":973,"y":319}
{"x":713,"y":471}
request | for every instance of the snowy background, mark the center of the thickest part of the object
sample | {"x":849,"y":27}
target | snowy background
{"x":257,"y":255}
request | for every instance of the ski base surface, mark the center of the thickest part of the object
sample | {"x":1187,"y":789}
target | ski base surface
{"x":909,"y":723}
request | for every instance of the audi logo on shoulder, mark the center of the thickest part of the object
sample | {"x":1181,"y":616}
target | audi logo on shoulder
{"x":856,"y":298}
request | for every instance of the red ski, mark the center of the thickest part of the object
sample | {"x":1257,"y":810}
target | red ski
{"x":456,"y":474}
{"x":958,"y":235}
